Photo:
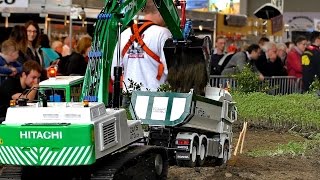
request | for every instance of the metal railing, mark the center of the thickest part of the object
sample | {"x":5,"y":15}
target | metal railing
{"x":276,"y":84}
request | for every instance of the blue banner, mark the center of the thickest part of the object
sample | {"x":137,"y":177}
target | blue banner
{"x":197,"y":4}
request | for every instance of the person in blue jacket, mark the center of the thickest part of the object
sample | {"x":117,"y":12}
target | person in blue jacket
{"x":49,"y":55}
{"x":9,"y":66}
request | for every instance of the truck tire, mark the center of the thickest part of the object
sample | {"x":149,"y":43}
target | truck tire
{"x":160,"y":166}
{"x":153,"y":165}
{"x":224,"y":159}
{"x":193,"y":158}
{"x":201,"y":159}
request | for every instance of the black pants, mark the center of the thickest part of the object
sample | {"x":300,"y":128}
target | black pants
{"x":2,"y":119}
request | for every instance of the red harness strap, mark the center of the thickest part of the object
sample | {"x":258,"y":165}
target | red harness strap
{"x":136,"y":36}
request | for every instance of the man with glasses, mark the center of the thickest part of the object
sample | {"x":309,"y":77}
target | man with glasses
{"x":311,"y":62}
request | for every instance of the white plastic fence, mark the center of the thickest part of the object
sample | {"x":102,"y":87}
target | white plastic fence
{"x":277,"y":84}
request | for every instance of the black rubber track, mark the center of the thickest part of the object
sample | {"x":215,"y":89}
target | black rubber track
{"x":135,"y":162}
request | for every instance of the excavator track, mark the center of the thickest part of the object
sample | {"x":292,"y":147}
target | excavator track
{"x":136,"y":162}
{"x":10,"y":172}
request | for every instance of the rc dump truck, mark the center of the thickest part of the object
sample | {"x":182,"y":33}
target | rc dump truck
{"x":193,"y":127}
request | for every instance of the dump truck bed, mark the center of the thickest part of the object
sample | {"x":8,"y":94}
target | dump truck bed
{"x":178,"y":110}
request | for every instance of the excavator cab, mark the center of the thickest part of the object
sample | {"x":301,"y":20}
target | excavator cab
{"x":62,"y":88}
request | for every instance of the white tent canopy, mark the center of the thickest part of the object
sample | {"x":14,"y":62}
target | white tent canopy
{"x":60,"y":7}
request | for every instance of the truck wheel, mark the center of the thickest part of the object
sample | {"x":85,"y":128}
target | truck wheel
{"x":224,"y":159}
{"x":193,"y":158}
{"x":159,"y":168}
{"x":153,"y":165}
{"x":202,"y":157}
{"x":158,"y":164}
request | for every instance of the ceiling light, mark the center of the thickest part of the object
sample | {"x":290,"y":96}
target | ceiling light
{"x":200,"y":27}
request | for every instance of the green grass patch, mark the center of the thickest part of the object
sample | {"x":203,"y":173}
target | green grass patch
{"x":292,"y":148}
{"x":283,"y":111}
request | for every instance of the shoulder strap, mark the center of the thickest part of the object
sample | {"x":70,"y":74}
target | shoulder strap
{"x":136,"y":36}
{"x":142,"y":28}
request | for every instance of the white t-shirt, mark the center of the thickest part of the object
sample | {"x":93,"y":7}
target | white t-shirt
{"x":137,"y":64}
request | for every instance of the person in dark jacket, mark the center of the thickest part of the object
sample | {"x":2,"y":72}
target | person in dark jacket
{"x":217,"y":54}
{"x":15,"y":88}
{"x":243,"y":58}
{"x":311,"y":62}
{"x":269,"y":64}
{"x":77,"y":62}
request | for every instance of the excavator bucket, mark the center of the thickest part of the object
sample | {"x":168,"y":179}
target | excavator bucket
{"x":188,"y":64}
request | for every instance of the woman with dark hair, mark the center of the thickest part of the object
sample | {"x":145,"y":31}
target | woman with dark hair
{"x":19,"y":35}
{"x":48,"y":54}
{"x":33,"y":33}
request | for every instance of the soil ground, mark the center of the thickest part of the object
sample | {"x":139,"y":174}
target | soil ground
{"x":285,"y":167}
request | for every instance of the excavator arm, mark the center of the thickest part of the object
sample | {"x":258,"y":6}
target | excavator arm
{"x":117,"y":14}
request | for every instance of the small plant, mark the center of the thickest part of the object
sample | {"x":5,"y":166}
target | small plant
{"x":133,"y":86}
{"x":165,"y":88}
{"x":315,"y":86}
{"x":248,"y":81}
{"x":127,"y":92}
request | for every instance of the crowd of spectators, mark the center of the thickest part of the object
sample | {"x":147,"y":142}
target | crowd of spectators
{"x":299,"y":59}
{"x":28,"y":51}
{"x":31,"y":44}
